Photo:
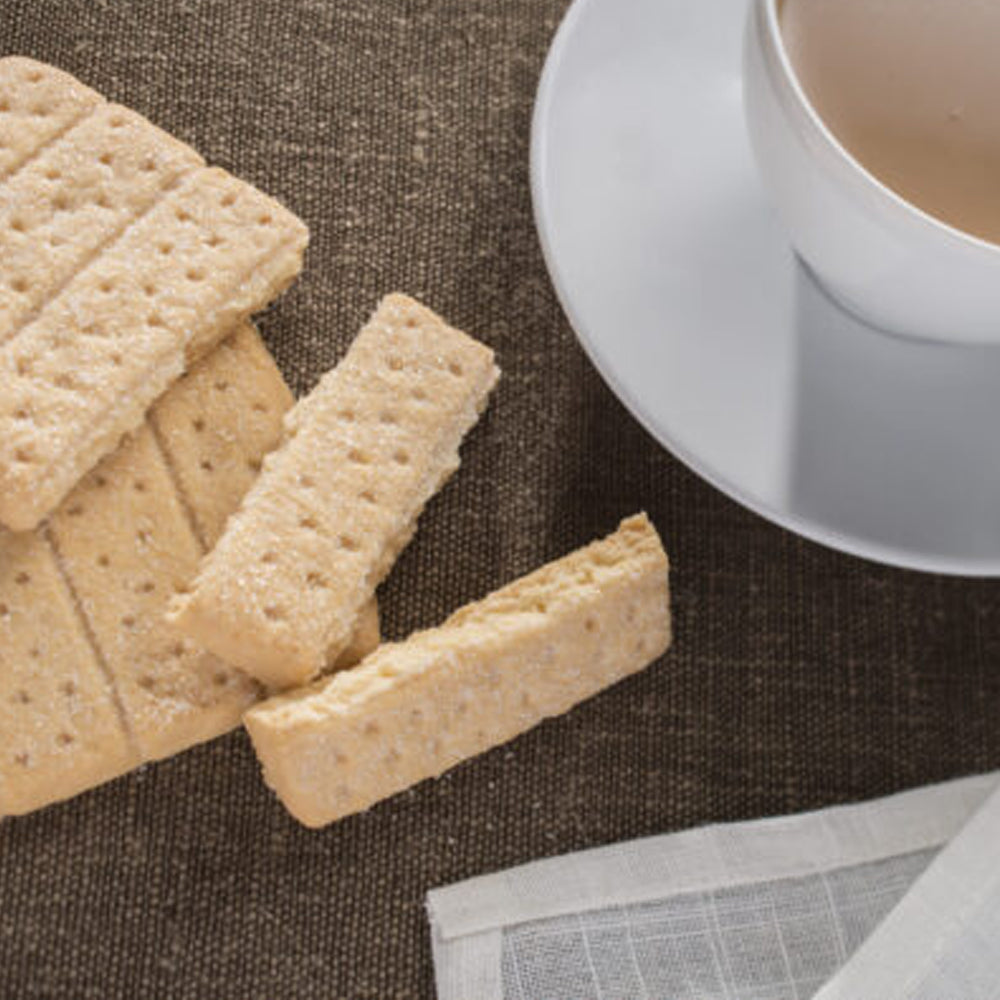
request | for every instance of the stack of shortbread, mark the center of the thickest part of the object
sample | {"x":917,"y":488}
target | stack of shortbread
{"x":182,"y":548}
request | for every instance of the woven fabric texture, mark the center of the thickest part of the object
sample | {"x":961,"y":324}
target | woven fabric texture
{"x":399,"y":130}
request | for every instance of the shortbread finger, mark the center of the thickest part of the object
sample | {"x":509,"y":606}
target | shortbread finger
{"x":60,"y":731}
{"x":73,"y":199}
{"x":127,"y":546}
{"x":320,"y":528}
{"x":37,"y":104}
{"x":214,"y":425}
{"x":412,"y":710}
{"x":85,"y":371}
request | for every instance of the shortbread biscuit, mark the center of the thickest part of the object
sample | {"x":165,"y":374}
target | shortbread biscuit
{"x":37,"y":104}
{"x":320,"y":528}
{"x":127,"y":547}
{"x":92,"y":680}
{"x":122,"y":259}
{"x":60,"y":730}
{"x":213,"y":426}
{"x":74,"y":198}
{"x":87,"y":368}
{"x":493,"y":670}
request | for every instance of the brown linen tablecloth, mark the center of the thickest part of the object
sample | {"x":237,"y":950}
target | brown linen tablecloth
{"x":399,"y":130}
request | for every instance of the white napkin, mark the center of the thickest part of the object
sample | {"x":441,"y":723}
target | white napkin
{"x":769,"y":910}
{"x":942,"y":942}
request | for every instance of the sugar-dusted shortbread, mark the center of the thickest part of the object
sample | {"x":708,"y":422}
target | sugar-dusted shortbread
{"x":61,"y":731}
{"x":93,"y":681}
{"x":217,"y":423}
{"x":122,"y":258}
{"x":78,"y":194}
{"x":37,"y":104}
{"x":127,"y":545}
{"x":494,"y":669}
{"x":333,"y":506}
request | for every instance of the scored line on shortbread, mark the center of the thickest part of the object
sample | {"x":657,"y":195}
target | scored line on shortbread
{"x":178,"y":487}
{"x":96,"y":254}
{"x":70,"y":204}
{"x":52,"y":140}
{"x":88,"y":630}
{"x":46,"y":103}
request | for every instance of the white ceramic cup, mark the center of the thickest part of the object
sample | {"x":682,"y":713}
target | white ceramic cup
{"x":881,"y":257}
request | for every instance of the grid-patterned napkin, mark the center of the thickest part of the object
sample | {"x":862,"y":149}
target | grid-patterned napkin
{"x":860,"y":898}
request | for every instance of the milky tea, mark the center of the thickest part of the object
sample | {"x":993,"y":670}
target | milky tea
{"x":912,"y":89}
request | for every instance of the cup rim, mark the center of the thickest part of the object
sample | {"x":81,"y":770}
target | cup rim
{"x":814,"y":118}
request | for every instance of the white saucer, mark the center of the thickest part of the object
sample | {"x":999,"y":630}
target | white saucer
{"x":684,"y":292}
